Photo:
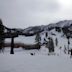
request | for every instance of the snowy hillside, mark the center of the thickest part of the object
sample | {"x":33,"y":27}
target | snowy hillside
{"x":62,"y":41}
{"x":41,"y":28}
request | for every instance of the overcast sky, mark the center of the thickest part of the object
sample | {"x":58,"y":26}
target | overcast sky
{"x":25,"y":13}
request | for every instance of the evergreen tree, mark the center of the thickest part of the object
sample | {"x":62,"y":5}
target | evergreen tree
{"x":38,"y":38}
{"x":68,"y":43}
{"x":56,"y":41}
{"x":46,"y":34}
{"x":1,"y":35}
{"x":50,"y":45}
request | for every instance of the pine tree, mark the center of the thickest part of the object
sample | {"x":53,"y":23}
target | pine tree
{"x":56,"y":40}
{"x":1,"y":35}
{"x":68,"y":43}
{"x":38,"y":38}
{"x":46,"y":34}
{"x":50,"y":45}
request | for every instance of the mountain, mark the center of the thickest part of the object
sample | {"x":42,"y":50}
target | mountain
{"x":37,"y":29}
{"x":66,"y":24}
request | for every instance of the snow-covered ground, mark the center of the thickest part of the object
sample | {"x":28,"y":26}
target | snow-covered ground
{"x":22,"y":61}
{"x":22,"y":39}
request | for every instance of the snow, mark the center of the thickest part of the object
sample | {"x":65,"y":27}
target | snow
{"x":22,"y":39}
{"x":62,"y":40}
{"x":22,"y":61}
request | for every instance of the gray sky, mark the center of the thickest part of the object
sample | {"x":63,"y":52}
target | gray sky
{"x":25,"y":13}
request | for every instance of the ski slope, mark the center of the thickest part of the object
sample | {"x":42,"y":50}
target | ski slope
{"x":22,"y":61}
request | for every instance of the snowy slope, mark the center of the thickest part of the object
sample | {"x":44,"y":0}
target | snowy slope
{"x":22,"y":61}
{"x":62,"y":40}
